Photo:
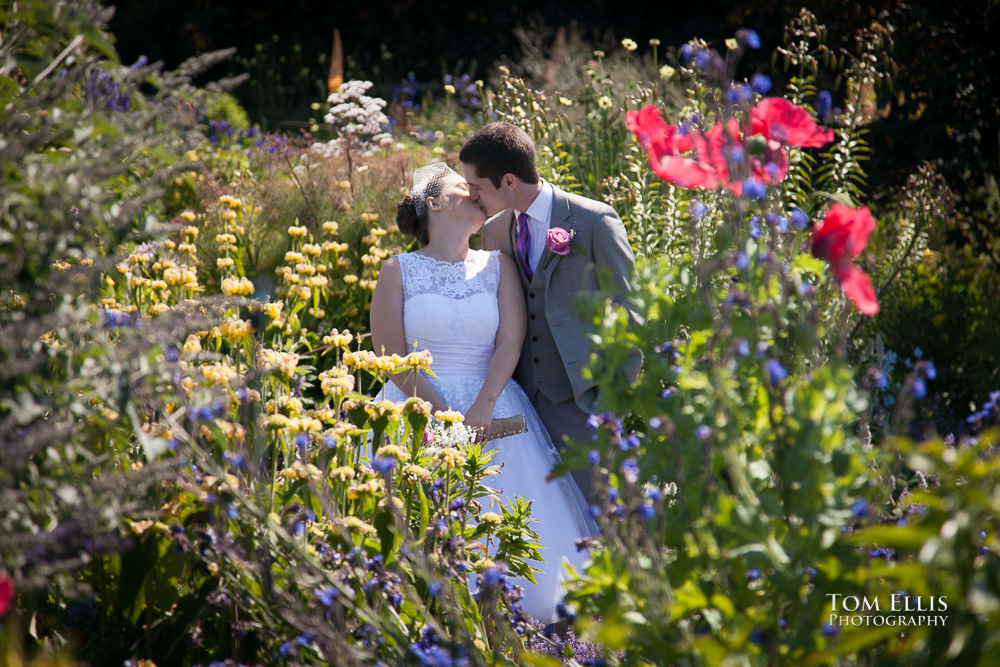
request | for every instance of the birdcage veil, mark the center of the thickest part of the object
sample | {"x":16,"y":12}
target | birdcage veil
{"x":427,"y":182}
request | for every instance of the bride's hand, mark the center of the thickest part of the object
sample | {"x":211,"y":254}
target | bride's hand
{"x":480,"y":418}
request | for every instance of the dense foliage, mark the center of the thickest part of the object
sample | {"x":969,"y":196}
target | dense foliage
{"x":197,"y":468}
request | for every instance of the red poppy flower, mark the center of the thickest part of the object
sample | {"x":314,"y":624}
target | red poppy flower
{"x":7,"y":594}
{"x":839,"y":239}
{"x":779,"y":120}
{"x":665,"y":146}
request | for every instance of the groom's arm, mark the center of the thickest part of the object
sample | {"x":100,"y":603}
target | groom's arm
{"x":611,"y":251}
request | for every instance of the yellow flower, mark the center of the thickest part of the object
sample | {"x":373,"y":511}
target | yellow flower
{"x":60,"y":265}
{"x":354,"y":524}
{"x":395,"y":451}
{"x":228,"y":214}
{"x":188,"y":248}
{"x":382,"y":409}
{"x":450,"y":416}
{"x":503,"y":70}
{"x":331,"y":226}
{"x":273,"y":360}
{"x":225,"y":262}
{"x":418,"y":406}
{"x":312,"y":249}
{"x":297,"y":231}
{"x":629,"y":45}
{"x":213,"y":569}
{"x":273,"y":422}
{"x":565,"y":101}
{"x":343,"y":262}
{"x":369,"y":218}
{"x":417,"y":472}
{"x":350,"y":279}
{"x":225,"y":238}
{"x":421,"y":359}
{"x":451,"y":457}
{"x":491,"y":518}
{"x":234,"y":330}
{"x":363,"y":359}
{"x":732,"y":44}
{"x":231,"y":202}
{"x":450,"y":89}
{"x":598,"y":54}
{"x":667,"y":72}
{"x":189,"y":216}
{"x":219,"y":373}
{"x":604,"y":102}
{"x":337,"y":381}
{"x":158,"y":309}
{"x":338,"y":339}
{"x":237,"y":287}
{"x":292,"y":257}
{"x":344,"y":185}
{"x":343,"y":473}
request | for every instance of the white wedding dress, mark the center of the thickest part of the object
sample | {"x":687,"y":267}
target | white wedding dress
{"x":451,"y":310}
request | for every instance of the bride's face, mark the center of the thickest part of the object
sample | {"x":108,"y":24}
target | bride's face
{"x":456,"y":201}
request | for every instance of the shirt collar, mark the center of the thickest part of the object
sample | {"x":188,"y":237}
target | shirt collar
{"x":541,"y":208}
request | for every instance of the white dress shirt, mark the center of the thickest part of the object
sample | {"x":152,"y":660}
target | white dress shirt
{"x":539,"y":216}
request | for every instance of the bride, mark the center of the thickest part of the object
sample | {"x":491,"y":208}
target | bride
{"x":467,"y":308}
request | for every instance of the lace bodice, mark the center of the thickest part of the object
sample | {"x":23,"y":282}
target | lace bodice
{"x":451,"y":309}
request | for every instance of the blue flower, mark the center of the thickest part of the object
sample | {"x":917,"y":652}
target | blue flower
{"x":667,"y":393}
{"x":860,"y":509}
{"x":687,"y":53}
{"x":434,"y":588}
{"x":631,"y":442}
{"x":655,"y":423}
{"x":647,"y":510}
{"x":384,"y":464}
{"x":753,"y":574}
{"x":630,"y":469}
{"x":737,"y":93}
{"x":761,"y":83}
{"x":703,"y":432}
{"x":757,"y":636}
{"x":697,"y":209}
{"x":749,"y":37}
{"x":919,"y":388}
{"x":594,"y":421}
{"x":736,"y":154}
{"x":593,"y":457}
{"x":823,"y":104}
{"x":799,"y":218}
{"x":930,"y":370}
{"x":565,"y":611}
{"x":776,"y":371}
{"x":883,"y":380}
{"x":754,"y":188}
{"x":743,"y":347}
{"x":595,"y":511}
{"x":755,"y":227}
{"x":703,"y":59}
{"x":829,"y":630}
{"x":654,"y":493}
{"x":918,"y":353}
{"x":810,"y":571}
{"x":327,"y":596}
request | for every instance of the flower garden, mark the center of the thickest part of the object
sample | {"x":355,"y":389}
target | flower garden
{"x":189,"y":388}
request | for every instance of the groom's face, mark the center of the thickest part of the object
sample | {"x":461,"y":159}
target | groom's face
{"x":482,"y":191}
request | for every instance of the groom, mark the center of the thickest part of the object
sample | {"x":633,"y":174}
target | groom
{"x":499,"y":164}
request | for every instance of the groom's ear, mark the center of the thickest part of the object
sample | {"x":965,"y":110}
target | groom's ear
{"x":509,"y":181}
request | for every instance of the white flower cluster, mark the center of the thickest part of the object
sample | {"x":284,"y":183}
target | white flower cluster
{"x":358,"y":118}
{"x":457,"y":436}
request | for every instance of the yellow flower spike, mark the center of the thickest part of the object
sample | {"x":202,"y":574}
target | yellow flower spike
{"x":225,"y":262}
{"x":449,"y":416}
{"x":312,"y":249}
{"x":299,"y":232}
{"x":331,"y":226}
{"x":337,"y":381}
{"x":189,"y":216}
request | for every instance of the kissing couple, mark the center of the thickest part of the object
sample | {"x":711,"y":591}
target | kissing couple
{"x":501,"y":322}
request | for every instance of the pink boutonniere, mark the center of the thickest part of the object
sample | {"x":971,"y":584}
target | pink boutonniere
{"x":560,"y":242}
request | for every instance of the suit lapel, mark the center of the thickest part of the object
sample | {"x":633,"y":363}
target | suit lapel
{"x":562,"y":215}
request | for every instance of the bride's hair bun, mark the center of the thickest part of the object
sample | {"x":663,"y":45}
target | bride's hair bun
{"x":409,"y":222}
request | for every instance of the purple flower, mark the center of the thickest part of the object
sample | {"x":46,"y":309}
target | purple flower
{"x":860,"y":509}
{"x":697,"y":209}
{"x":823,"y":104}
{"x":776,"y":371}
{"x":703,"y":432}
{"x":919,"y":388}
{"x":748,"y":37}
{"x":743,"y":347}
{"x":687,"y":53}
{"x":799,"y":218}
{"x":327,"y":596}
{"x":930,"y":370}
{"x":594,"y":421}
{"x":655,"y":423}
{"x":753,"y":574}
{"x":755,"y":227}
{"x":742,"y":261}
{"x":593,"y":457}
{"x":829,"y":630}
{"x":647,"y":510}
{"x":384,"y":464}
{"x":631,"y":442}
{"x":761,"y":83}
{"x":630,"y":470}
{"x":754,"y":188}
{"x":738,"y":93}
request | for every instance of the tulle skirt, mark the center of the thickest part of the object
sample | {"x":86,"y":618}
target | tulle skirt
{"x":560,"y":510}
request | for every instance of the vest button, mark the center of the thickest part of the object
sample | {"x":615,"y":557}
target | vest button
{"x":531,"y":294}
{"x":536,"y":360}
{"x":532,"y":316}
{"x":534,"y":339}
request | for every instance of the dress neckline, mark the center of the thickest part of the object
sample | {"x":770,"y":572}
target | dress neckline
{"x":471,"y":254}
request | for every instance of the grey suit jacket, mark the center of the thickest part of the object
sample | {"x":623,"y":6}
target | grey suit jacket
{"x":556,"y":347}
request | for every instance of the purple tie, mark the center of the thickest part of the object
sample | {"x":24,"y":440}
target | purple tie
{"x":524,"y":244}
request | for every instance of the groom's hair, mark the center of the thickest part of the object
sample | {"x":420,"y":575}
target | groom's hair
{"x":498,"y":149}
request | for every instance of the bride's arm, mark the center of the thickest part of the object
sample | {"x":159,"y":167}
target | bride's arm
{"x":510,"y":336}
{"x":387,"y":332}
